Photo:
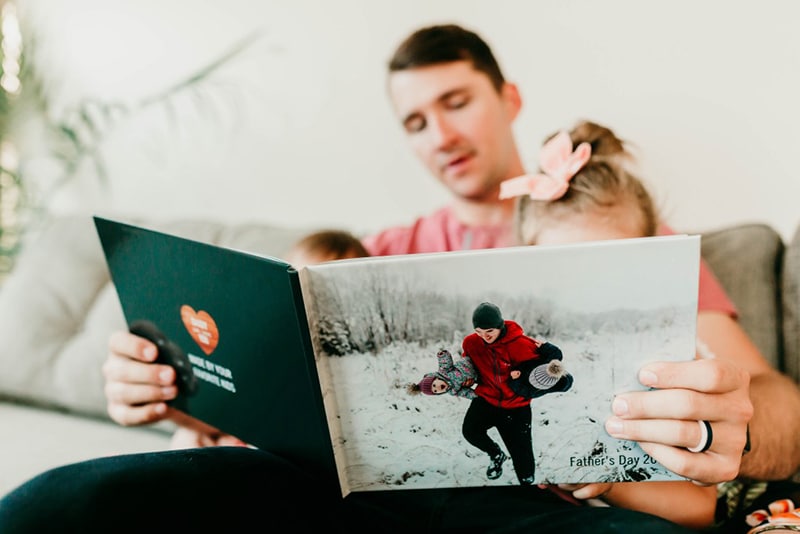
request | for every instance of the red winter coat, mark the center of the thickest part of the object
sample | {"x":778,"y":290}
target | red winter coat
{"x":493,"y":362}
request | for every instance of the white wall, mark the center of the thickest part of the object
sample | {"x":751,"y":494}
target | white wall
{"x":298,"y":129}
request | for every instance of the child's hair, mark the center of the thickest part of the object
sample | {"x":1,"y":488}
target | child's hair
{"x":602,"y":184}
{"x":326,"y":245}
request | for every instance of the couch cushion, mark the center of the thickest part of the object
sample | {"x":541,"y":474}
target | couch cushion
{"x":747,"y":260}
{"x":58,"y":307}
{"x":791,"y":307}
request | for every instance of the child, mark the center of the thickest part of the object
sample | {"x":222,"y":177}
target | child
{"x":590,"y":194}
{"x":455,"y":378}
{"x":325,"y":245}
{"x":545,"y":374}
{"x":585,"y":195}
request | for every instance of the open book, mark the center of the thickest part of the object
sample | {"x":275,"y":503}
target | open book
{"x":315,"y":364}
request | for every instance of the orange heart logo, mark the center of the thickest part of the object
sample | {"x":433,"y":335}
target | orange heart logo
{"x":201,"y":327}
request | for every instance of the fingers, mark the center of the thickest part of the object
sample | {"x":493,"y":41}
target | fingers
{"x":136,"y":389}
{"x":226,"y":440}
{"x":709,"y":376}
{"x":665,"y":420}
{"x":121,"y":369}
{"x":586,"y":491}
{"x":675,"y":433}
{"x":187,"y":438}
{"x":712,"y":390}
{"x":710,"y":467}
{"x":123,"y":343}
{"x":685,"y":404}
{"x":667,"y":441}
{"x":727,"y":437}
{"x":128,"y":415}
{"x":136,"y":404}
{"x":137,"y":394}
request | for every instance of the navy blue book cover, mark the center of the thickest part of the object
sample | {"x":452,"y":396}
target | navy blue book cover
{"x":237,"y":321}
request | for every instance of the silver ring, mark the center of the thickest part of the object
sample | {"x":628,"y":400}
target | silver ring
{"x":706,"y":436}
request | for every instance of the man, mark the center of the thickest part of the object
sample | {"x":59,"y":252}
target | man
{"x":457,"y":110}
{"x":499,"y":344}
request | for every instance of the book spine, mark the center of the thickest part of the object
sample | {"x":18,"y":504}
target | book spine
{"x":319,"y":373}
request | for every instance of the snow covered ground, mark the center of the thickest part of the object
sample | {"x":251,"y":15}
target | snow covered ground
{"x":393,"y":439}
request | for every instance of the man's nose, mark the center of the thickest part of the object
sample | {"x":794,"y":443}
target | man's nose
{"x":443,"y":132}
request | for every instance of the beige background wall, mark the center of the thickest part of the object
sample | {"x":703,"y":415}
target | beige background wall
{"x":298,"y":130}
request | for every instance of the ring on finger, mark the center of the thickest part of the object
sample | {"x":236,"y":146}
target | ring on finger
{"x":706,"y":437}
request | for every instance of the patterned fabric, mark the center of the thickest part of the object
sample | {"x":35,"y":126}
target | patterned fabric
{"x":737,"y":495}
{"x":780,"y":515}
{"x":754,"y":507}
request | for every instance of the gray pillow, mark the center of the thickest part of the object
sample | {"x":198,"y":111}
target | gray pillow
{"x":58,"y":308}
{"x":791,"y":308}
{"x":747,"y":260}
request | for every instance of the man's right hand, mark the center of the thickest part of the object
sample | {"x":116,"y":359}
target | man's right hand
{"x":137,"y":388}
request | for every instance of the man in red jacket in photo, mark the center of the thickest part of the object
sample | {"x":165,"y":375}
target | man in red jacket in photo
{"x":495,"y":347}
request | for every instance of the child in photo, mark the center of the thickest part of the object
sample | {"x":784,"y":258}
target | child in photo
{"x":453,"y":377}
{"x":545,"y":374}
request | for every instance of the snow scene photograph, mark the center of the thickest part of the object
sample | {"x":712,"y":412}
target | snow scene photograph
{"x":377,"y":325}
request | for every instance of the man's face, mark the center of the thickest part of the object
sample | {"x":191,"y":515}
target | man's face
{"x":489,"y":335}
{"x":459,"y":126}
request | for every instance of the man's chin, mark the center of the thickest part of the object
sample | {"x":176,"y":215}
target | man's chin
{"x":465,"y":187}
{"x":476,"y":194}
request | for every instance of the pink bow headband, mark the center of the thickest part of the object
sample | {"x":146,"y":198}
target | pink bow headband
{"x":559,"y":165}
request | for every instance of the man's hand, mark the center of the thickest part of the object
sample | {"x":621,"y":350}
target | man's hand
{"x":137,"y":391}
{"x":136,"y":388}
{"x":189,"y":438}
{"x":664,"y":420}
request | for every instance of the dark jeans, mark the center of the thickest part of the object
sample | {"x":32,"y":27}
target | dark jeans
{"x":238,"y":489}
{"x":514,"y":427}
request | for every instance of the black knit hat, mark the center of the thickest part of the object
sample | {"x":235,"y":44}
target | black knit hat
{"x":487,"y":316}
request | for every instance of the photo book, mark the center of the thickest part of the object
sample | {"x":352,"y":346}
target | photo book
{"x":324,"y":365}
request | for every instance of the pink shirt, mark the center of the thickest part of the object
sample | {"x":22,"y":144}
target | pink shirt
{"x":442,"y":232}
{"x":437,"y":232}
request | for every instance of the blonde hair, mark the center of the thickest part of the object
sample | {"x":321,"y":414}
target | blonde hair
{"x":602,"y":184}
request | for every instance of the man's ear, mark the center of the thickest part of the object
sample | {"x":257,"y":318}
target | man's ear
{"x":513,"y":100}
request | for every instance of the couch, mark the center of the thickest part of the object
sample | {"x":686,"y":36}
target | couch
{"x":57,"y":308}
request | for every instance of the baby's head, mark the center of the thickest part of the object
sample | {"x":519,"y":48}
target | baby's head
{"x":431,"y":384}
{"x":325,"y":245}
{"x":604,"y":200}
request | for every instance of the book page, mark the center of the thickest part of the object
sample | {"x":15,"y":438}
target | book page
{"x":326,"y":382}
{"x":378,"y":325}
